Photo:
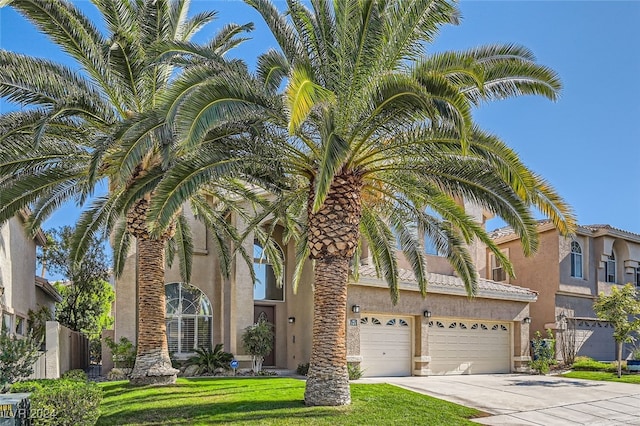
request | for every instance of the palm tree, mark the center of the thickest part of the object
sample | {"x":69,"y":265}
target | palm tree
{"x":107,"y":123}
{"x":381,"y":145}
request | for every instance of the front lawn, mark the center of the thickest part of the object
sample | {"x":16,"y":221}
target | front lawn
{"x":266,"y":401}
{"x":603,"y":376}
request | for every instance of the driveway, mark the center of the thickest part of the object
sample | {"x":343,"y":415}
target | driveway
{"x":513,"y":399}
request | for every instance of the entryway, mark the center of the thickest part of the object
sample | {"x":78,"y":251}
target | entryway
{"x":267,"y":313}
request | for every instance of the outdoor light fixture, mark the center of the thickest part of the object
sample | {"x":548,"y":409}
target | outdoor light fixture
{"x":292,"y":320}
{"x":526,"y":320}
{"x":1,"y":290}
{"x":355,"y":309}
{"x":427,"y":314}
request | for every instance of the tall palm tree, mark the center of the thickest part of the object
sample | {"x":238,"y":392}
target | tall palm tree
{"x":107,"y":123}
{"x":381,"y":145}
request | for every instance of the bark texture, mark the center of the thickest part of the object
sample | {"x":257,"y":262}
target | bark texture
{"x":333,"y":238}
{"x":153,"y":365}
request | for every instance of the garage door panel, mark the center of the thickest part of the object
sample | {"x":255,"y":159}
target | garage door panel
{"x":469,"y":347}
{"x":385,"y":345}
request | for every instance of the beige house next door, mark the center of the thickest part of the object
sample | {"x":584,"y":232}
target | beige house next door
{"x":462,"y":346}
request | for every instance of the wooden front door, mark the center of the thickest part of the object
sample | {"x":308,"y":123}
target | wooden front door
{"x":268,"y":313}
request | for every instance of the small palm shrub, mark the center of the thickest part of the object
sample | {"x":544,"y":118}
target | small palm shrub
{"x":61,"y":402}
{"x":355,"y":372}
{"x":208,"y":361}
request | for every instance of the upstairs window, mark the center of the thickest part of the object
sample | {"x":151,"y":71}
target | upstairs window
{"x":497,"y":271}
{"x":266,"y":286}
{"x":576,"y":260}
{"x":610,"y":269}
{"x":637,"y":276}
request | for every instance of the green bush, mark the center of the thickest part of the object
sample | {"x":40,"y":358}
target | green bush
{"x":208,"y":361}
{"x":17,"y":357}
{"x":123,"y":353}
{"x":543,"y":352}
{"x":303,"y":369}
{"x":583,"y":363}
{"x":62,"y":402}
{"x":355,"y":372}
{"x":76,"y":374}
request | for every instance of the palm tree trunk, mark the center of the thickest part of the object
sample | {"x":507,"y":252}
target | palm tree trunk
{"x":153,"y":365}
{"x":328,"y":378}
{"x":333,"y":237}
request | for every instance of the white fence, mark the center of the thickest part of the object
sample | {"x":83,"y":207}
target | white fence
{"x":65,"y":350}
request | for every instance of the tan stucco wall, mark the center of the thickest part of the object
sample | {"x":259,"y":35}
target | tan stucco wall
{"x":540,"y":273}
{"x":17,"y":268}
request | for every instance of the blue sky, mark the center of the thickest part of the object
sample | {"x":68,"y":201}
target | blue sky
{"x":587,"y":144}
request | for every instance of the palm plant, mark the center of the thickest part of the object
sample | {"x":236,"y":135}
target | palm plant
{"x":381,"y":145}
{"x":107,"y":123}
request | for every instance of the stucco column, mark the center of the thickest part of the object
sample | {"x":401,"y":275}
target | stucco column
{"x":421,"y":358}
{"x":521,"y":353}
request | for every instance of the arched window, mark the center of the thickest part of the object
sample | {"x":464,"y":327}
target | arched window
{"x":576,"y":260}
{"x":189,"y":319}
{"x":610,"y":269}
{"x":266,"y":287}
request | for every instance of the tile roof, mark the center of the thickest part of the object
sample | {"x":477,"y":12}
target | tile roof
{"x":449,"y":284}
{"x":507,"y":230}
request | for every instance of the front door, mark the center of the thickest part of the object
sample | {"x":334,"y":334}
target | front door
{"x":267,"y":313}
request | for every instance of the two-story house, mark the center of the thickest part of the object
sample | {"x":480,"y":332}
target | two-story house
{"x":20,"y":289}
{"x":569,"y":274}
{"x":446,"y":333}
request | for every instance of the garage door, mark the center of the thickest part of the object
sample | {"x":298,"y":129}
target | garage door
{"x":594,"y":339}
{"x":385,"y":345}
{"x":469,"y":347}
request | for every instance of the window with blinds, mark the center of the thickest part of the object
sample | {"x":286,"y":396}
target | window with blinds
{"x":189,"y":319}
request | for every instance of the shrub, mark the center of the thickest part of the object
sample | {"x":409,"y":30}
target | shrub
{"x":303,"y":369}
{"x":62,"y":401}
{"x":123,"y":353}
{"x":355,"y":372}
{"x":257,"y":340}
{"x":208,"y":361}
{"x":543,"y":352}
{"x":17,"y":357}
{"x":77,"y":374}
{"x":583,"y":363}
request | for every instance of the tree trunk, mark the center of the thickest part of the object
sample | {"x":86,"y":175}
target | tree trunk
{"x":619,"y":344}
{"x":333,"y":238}
{"x":153,"y":365}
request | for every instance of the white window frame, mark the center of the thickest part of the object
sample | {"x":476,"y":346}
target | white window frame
{"x":179,"y":318}
{"x":498,"y":273}
{"x":610,"y":265}
{"x":576,"y":257}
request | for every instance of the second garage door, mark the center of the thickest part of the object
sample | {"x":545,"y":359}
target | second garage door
{"x":385,"y":345}
{"x":469,"y":347}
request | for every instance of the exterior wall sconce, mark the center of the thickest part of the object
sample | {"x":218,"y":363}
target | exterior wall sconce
{"x":526,"y":320}
{"x":292,"y":320}
{"x":426,"y":314}
{"x":355,"y":309}
{"x":1,"y":290}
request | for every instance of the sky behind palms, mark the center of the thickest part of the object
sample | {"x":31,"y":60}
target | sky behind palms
{"x":587,"y":144}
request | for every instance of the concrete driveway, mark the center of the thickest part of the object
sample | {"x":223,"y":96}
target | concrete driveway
{"x":513,"y":399}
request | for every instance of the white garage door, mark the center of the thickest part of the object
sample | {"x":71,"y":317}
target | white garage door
{"x":385,"y":345}
{"x":469,"y":347}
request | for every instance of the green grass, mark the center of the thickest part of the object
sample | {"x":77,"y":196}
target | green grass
{"x":270,"y":401}
{"x":603,"y":376}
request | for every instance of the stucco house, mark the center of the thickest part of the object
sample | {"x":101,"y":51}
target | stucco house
{"x":20,"y":288}
{"x":568,"y":274}
{"x":445,"y":333}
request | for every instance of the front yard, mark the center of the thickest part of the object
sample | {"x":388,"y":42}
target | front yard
{"x":603,"y":376}
{"x":270,"y":401}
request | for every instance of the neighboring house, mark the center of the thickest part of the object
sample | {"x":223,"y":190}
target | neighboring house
{"x":446,"y":333}
{"x":20,"y":289}
{"x":569,"y":274}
